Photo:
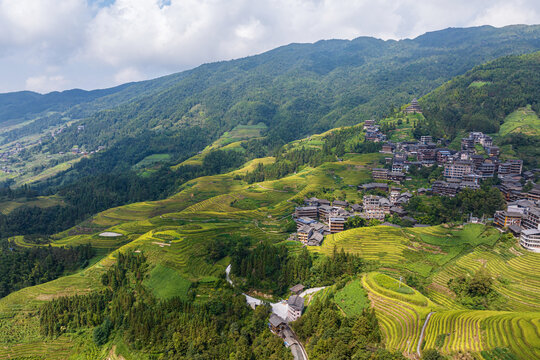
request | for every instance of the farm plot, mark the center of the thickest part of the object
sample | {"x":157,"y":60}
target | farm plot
{"x":400,"y":315}
{"x":517,"y":279}
{"x":382,"y":243}
{"x":475,"y":331}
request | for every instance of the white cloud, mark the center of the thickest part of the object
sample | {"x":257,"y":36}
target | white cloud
{"x":102,"y":42}
{"x":46,"y":83}
{"x":128,"y":75}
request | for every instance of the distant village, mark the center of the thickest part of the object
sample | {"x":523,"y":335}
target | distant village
{"x":10,"y":163}
{"x":464,"y":169}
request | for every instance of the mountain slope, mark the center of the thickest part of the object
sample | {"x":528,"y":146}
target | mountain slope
{"x":192,"y":236}
{"x":501,"y":97}
{"x":295,"y":90}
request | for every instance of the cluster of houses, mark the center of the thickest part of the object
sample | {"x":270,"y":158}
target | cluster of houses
{"x":373,"y":132}
{"x":463,"y":169}
{"x":522,"y":218}
{"x":320,"y":217}
{"x":295,"y":307}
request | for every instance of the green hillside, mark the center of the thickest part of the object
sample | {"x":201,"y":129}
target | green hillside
{"x":189,"y":238}
{"x":295,"y":90}
{"x":481,"y":99}
{"x":203,"y":169}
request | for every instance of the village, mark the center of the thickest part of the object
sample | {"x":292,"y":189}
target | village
{"x":17,"y":157}
{"x":478,"y":160}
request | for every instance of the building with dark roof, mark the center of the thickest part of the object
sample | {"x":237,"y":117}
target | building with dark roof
{"x":413,"y":108}
{"x":295,"y":306}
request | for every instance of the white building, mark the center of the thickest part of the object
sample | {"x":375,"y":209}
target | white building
{"x":530,"y":239}
{"x":295,"y":306}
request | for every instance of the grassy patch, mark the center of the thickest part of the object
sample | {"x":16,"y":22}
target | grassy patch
{"x":523,"y":120}
{"x":352,"y":299}
{"x":166,"y":283}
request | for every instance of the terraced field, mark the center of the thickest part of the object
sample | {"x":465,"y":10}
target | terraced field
{"x":382,"y":243}
{"x":57,"y":349}
{"x":517,"y":279}
{"x":400,"y":315}
{"x":474,"y":331}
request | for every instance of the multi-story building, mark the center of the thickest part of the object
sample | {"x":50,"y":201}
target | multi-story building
{"x":506,"y":218}
{"x":531,"y":218}
{"x":413,"y":108}
{"x":388,"y":148}
{"x":340,"y":204}
{"x":396,"y":176}
{"x":493,"y":151}
{"x":304,"y":233}
{"x":379,"y":174}
{"x":467,"y":143}
{"x":427,"y":154}
{"x":295,"y":306}
{"x":511,"y":167}
{"x":530,"y":239}
{"x":426,"y":139}
{"x":336,"y":224}
{"x":486,"y":141}
{"x":458,"y":169}
{"x":324,"y":211}
{"x":304,"y":221}
{"x":533,"y":194}
{"x":444,"y":188}
{"x":375,"y":207}
{"x":306,"y":211}
{"x":394,"y":194}
{"x":486,"y":169}
{"x":443,"y":156}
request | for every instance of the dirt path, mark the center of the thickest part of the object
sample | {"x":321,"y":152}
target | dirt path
{"x":422,"y":334}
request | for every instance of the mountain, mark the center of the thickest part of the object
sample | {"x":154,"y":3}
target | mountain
{"x":295,"y":90}
{"x":142,"y":129}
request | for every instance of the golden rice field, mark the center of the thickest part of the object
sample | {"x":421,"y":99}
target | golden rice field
{"x":382,"y":243}
{"x":474,"y":331}
{"x":400,"y":316}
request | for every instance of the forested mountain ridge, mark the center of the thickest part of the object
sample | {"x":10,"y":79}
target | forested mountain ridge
{"x":481,"y":99}
{"x":295,"y":89}
{"x":313,"y":87}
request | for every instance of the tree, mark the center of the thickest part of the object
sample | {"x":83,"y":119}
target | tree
{"x":432,"y":354}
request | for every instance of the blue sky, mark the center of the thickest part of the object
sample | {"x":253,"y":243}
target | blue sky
{"x":48,"y":45}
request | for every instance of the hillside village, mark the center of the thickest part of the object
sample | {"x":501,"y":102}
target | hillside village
{"x":478,"y":160}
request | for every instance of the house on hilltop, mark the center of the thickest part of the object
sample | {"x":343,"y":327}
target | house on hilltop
{"x":413,"y":108}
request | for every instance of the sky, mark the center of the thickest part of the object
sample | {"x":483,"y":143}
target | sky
{"x":48,"y":45}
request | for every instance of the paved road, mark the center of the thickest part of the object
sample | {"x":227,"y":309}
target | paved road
{"x":422,"y":333}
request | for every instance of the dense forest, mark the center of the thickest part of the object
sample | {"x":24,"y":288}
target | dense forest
{"x":295,"y":90}
{"x":485,"y":95}
{"x":444,"y":209}
{"x":482,"y":98}
{"x":23,"y":267}
{"x":220,"y":328}
{"x":272,"y":268}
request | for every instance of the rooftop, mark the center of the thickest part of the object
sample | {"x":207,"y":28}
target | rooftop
{"x":296,"y":302}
